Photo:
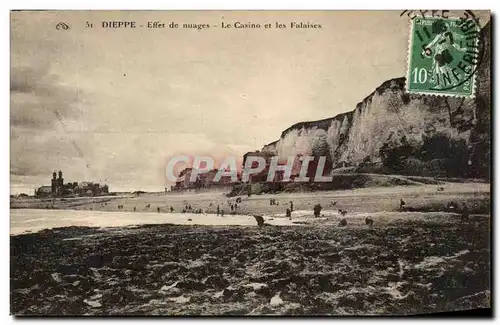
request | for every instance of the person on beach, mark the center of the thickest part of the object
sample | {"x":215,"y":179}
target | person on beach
{"x":402,"y":204}
{"x":218,"y":209}
{"x":317,"y":210}
{"x":465,"y":213}
{"x":289,"y":213}
{"x":222,"y":213}
{"x":260,"y":221}
{"x":291,"y":206}
{"x":171,"y":209}
{"x":158,"y":209}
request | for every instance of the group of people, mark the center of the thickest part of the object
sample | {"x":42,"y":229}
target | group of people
{"x":451,"y":206}
{"x":233,"y":206}
{"x":189,"y":208}
{"x":274,"y":202}
{"x":220,"y":211}
{"x":147,"y":206}
{"x":197,"y":211}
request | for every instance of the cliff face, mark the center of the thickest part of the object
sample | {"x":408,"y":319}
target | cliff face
{"x":392,"y":131}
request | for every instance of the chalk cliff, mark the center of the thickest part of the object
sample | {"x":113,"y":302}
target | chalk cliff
{"x":391,"y":131}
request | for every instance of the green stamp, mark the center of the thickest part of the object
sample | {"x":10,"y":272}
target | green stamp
{"x":443,"y":56}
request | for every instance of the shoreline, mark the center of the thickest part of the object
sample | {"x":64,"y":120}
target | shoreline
{"x":382,"y":204}
{"x":94,"y":219}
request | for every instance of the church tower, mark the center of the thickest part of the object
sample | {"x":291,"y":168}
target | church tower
{"x":54,"y":184}
{"x":60,"y":184}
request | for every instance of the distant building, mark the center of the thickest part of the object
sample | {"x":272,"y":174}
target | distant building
{"x":57,"y":184}
{"x":90,"y":189}
{"x":44,"y":191}
{"x":262,"y":176}
{"x":203,"y":180}
{"x":59,"y":189}
{"x":279,"y":175}
{"x":184,"y":180}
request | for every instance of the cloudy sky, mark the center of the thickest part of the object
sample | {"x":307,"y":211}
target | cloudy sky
{"x":112,"y":105}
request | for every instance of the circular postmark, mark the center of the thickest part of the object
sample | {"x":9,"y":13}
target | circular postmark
{"x":444,"y":55}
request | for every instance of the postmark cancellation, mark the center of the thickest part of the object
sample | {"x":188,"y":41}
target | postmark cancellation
{"x":443,"y":56}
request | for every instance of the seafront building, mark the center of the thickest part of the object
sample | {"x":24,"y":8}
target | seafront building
{"x":71,"y":189}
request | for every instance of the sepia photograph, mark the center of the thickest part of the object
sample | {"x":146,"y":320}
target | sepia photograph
{"x":250,"y":163}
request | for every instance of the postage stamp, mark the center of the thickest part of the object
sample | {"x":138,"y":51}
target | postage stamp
{"x":443,"y":56}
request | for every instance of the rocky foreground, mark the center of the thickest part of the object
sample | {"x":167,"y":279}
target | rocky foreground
{"x":406,"y":267}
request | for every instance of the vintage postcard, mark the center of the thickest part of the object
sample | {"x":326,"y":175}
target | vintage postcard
{"x":250,"y":163}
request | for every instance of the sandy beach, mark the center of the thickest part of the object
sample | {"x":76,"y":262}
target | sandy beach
{"x":110,"y":262}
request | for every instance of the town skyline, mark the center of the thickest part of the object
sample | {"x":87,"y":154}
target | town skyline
{"x":115,"y":104}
